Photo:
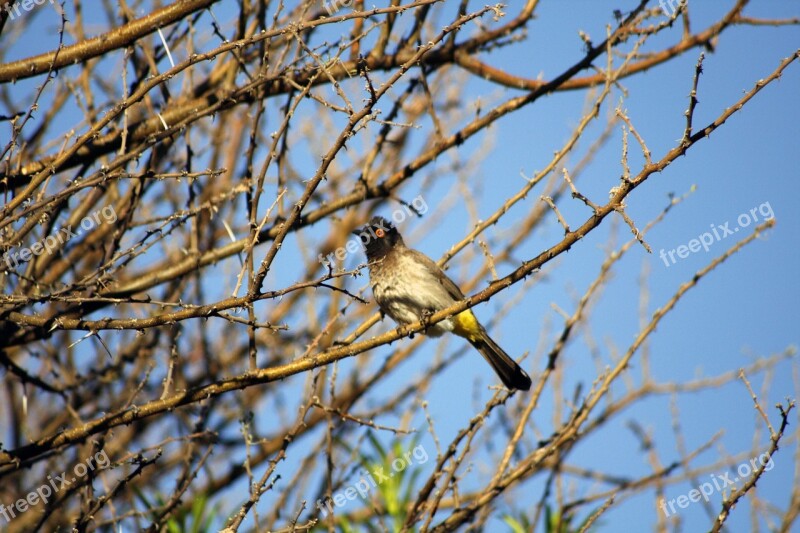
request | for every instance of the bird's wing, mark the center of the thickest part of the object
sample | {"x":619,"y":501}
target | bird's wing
{"x":448,"y":284}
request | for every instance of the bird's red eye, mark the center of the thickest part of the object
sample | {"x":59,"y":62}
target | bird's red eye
{"x":380,"y":233}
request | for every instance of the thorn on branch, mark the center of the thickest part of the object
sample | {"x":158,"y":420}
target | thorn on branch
{"x":577,"y":194}
{"x":639,"y":139}
{"x":363,"y":69}
{"x":634,"y":229}
{"x":549,"y":201}
{"x":698,"y":69}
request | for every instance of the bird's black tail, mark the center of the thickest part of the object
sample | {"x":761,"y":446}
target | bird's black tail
{"x":510,"y":373}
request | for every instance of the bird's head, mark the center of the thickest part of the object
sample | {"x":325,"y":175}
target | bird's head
{"x":378,"y":237}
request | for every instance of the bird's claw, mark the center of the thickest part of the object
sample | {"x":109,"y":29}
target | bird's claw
{"x":426,"y":317}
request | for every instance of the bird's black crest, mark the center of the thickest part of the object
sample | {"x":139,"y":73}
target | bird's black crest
{"x":380,"y":222}
{"x":378,"y":236}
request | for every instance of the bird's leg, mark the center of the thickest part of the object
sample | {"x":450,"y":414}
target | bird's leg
{"x":425,"y":318}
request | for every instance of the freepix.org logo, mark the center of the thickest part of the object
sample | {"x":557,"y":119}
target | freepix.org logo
{"x":717,"y":233}
{"x":13,"y":8}
{"x":332,"y":6}
{"x":52,"y":242}
{"x":720,"y":483}
{"x":669,"y":7}
{"x":418,"y":207}
{"x":54,"y":484}
{"x":367,"y":481}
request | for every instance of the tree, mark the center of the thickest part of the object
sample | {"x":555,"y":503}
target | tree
{"x":186,"y":326}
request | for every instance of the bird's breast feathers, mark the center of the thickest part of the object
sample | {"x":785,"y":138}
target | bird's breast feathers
{"x":408,"y":289}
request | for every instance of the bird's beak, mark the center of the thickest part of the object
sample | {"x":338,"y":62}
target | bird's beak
{"x":357,"y":232}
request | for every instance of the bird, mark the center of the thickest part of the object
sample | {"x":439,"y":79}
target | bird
{"x":410,"y":287}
